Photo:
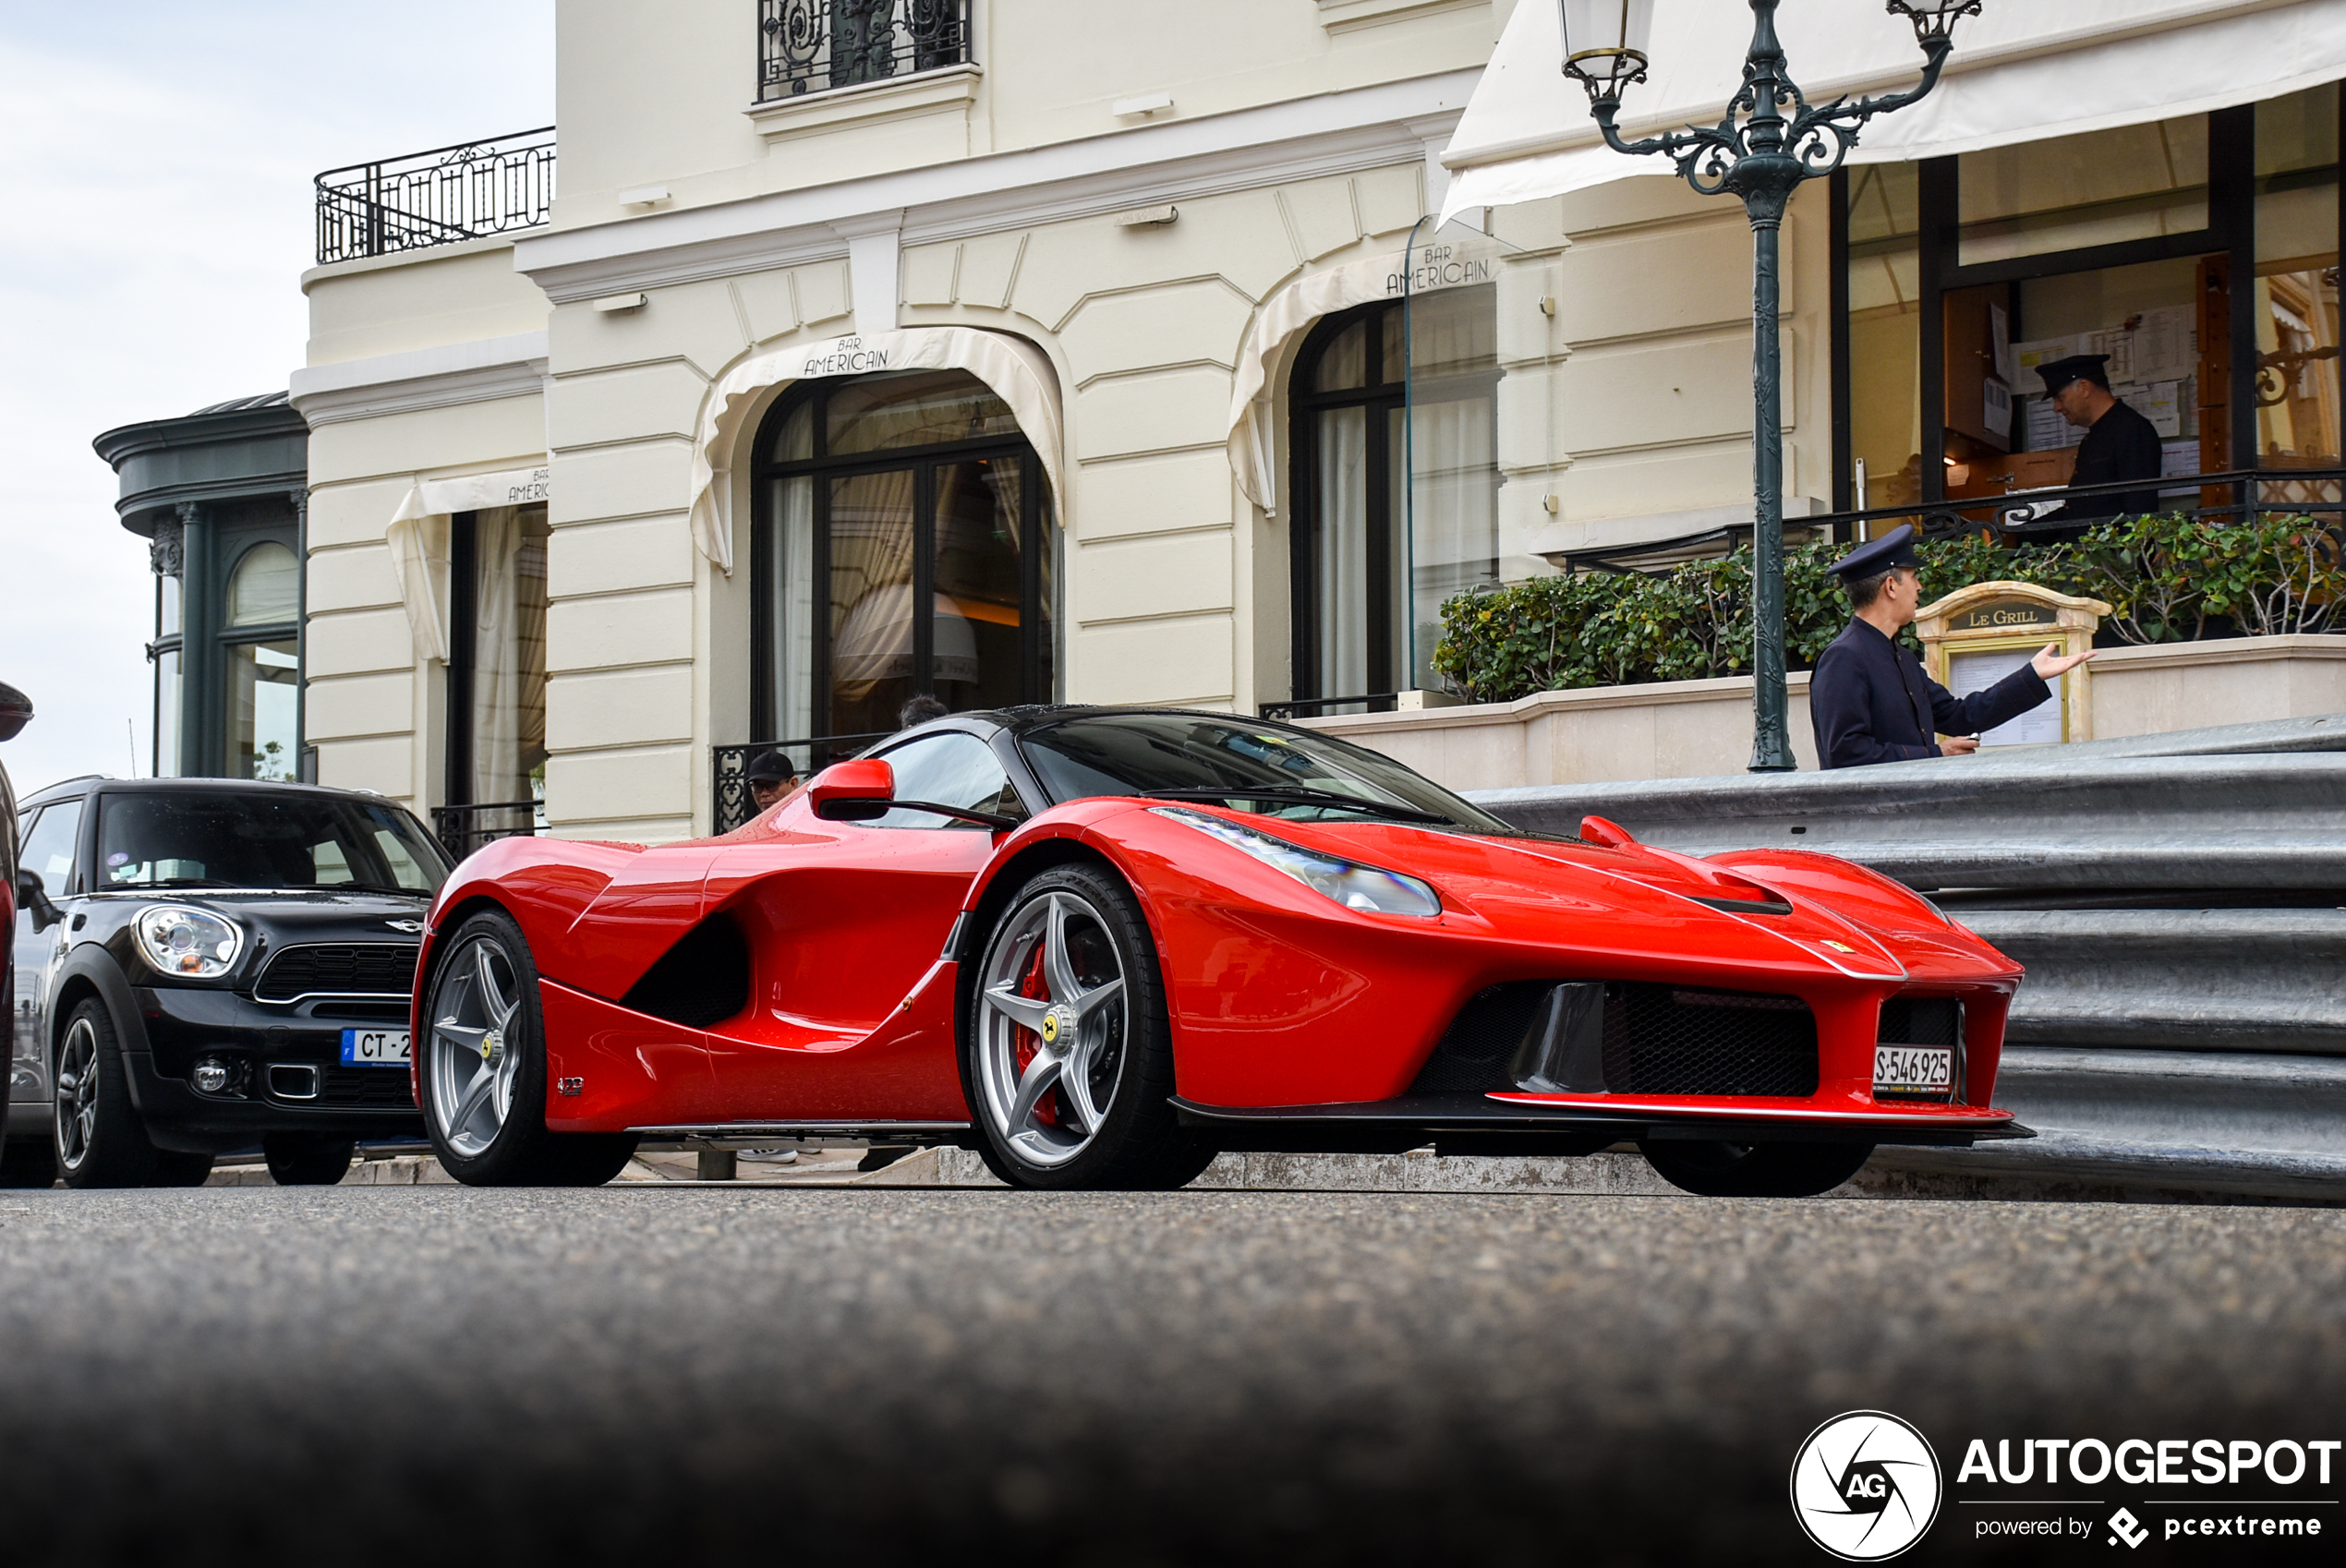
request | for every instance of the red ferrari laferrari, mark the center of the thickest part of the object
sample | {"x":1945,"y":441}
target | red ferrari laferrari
{"x":1100,"y":944}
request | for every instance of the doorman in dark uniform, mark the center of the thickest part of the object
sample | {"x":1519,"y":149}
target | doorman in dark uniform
{"x":2120,"y":444}
{"x":1870,"y":700}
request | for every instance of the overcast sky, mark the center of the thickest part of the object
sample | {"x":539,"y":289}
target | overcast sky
{"x":157,"y":162}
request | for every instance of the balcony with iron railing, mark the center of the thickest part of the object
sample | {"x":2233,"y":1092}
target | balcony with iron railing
{"x":806,"y":46}
{"x":441,"y":196}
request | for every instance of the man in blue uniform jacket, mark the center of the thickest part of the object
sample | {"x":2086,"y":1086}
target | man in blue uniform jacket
{"x":1870,"y":700}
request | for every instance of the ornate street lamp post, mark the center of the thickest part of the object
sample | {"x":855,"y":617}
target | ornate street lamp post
{"x":1770,"y":140}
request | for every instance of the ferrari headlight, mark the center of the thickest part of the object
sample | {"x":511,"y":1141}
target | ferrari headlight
{"x":194,"y":943}
{"x":1354,"y":886}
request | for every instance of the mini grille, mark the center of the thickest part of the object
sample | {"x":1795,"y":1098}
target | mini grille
{"x":368,"y":1088}
{"x":362,"y":967}
{"x":1681,"y":1040}
{"x":1921,"y":1021}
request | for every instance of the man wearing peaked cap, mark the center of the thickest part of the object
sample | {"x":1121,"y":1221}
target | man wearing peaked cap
{"x":1870,"y":700}
{"x":2120,"y":444}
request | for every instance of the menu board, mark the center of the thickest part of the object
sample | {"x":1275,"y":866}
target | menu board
{"x":1976,"y":670}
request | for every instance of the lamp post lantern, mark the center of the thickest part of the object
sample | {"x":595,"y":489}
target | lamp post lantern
{"x":1770,"y":139}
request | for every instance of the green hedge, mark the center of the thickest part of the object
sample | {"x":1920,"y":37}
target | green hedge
{"x":2167,"y":579}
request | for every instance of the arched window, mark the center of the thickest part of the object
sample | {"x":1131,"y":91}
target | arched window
{"x":263,"y":665}
{"x":902,"y":548}
{"x":1394,"y":486}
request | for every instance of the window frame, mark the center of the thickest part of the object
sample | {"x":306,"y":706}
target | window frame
{"x":1037,"y":533}
{"x":1388,"y":601}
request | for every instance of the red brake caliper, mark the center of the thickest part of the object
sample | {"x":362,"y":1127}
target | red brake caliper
{"x":1032,"y":985}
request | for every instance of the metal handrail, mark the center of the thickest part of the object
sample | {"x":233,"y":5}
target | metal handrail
{"x":1311,"y":708}
{"x":437,"y":196}
{"x":806,"y":46}
{"x":1977,"y":513}
{"x":461,"y":829}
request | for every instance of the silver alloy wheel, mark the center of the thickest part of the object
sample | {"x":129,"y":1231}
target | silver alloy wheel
{"x":1048,"y":1065}
{"x":474,"y":1059}
{"x":76,"y":1094}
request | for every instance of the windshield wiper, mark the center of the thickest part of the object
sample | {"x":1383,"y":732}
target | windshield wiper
{"x":370,"y":888}
{"x":178,"y":881}
{"x":1288,"y":794}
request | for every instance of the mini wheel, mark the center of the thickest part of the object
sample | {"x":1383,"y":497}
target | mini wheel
{"x":1753,"y":1170}
{"x":1067,"y":1056}
{"x":483,"y":1074}
{"x":99,"y":1140}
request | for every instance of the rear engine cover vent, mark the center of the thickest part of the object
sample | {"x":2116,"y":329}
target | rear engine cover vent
{"x":703,"y":980}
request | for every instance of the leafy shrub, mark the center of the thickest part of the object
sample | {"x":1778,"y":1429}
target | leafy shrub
{"x":2166,"y":579}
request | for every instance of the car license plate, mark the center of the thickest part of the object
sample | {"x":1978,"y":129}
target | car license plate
{"x":1914,"y":1072}
{"x":375,"y":1047}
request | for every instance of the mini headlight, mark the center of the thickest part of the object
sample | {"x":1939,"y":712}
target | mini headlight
{"x":1354,"y":886}
{"x":196,"y":943}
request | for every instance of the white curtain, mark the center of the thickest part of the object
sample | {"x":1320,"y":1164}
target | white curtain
{"x":417,"y":535}
{"x":1341,"y":550}
{"x":1454,"y":513}
{"x":792,"y":615}
{"x":508,"y":716}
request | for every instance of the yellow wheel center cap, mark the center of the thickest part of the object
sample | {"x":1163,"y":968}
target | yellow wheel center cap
{"x":1051,"y":1027}
{"x":493,"y":1046}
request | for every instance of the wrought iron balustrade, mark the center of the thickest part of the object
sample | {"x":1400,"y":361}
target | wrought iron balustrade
{"x":729,"y":772}
{"x":463,"y":829}
{"x":436,"y":198}
{"x":814,"y":45}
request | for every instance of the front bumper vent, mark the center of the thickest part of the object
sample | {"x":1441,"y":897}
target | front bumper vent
{"x":1626,"y":1037}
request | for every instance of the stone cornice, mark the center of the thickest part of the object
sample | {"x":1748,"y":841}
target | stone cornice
{"x":444,"y":376}
{"x":1147,"y":165}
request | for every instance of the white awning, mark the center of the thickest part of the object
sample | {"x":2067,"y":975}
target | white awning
{"x":417,"y":535}
{"x":1453,"y":257}
{"x":2023,"y":70}
{"x":1012,"y":367}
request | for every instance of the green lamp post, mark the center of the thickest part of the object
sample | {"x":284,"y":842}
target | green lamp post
{"x":1770,"y":139}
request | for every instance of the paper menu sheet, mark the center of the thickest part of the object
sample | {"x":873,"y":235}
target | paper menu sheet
{"x":1969,"y":672}
{"x":2166,"y":344}
{"x":2048,"y":431}
{"x":2029,"y":355}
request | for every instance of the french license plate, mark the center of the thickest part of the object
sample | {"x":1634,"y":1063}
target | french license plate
{"x":374,"y":1047}
{"x":1914,"y":1072}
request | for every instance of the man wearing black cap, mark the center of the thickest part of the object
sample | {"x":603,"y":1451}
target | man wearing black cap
{"x":1870,"y":700}
{"x":2119,"y":445}
{"x":772,"y":776}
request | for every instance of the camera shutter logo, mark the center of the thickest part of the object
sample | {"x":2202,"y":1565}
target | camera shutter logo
{"x":1864,"y":1485}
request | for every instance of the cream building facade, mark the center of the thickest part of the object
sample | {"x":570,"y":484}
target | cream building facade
{"x":1012,"y":350}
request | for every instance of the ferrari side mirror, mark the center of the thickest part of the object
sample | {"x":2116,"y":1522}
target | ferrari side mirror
{"x":33,"y":897}
{"x":1606,"y":834}
{"x":855,"y":790}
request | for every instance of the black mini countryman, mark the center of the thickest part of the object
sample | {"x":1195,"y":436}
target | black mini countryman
{"x":205,"y":964}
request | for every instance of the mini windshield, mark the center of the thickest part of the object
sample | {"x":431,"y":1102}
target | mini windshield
{"x":1284,"y":773}
{"x":253,"y":838}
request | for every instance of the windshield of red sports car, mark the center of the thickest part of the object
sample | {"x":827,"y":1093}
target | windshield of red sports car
{"x":1283,"y":772}
{"x":251,"y":839}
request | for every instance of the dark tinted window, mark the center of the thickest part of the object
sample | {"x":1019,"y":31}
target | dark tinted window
{"x":253,"y":839}
{"x":1145,"y":753}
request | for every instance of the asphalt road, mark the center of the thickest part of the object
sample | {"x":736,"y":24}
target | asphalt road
{"x":658,"y":1373}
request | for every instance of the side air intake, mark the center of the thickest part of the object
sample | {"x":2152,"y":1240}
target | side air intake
{"x":702,"y":981}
